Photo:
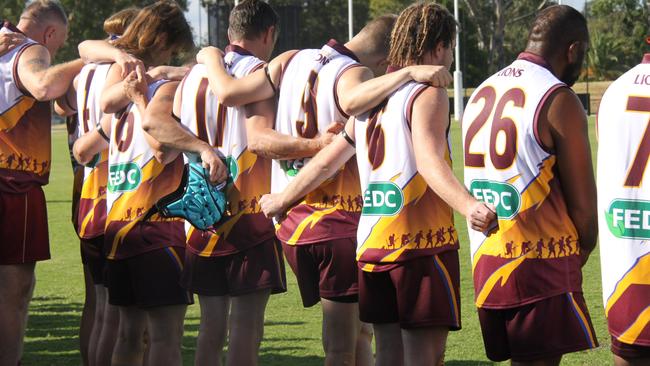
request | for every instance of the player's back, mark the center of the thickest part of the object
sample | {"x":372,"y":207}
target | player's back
{"x":624,"y":203}
{"x":507,"y":165}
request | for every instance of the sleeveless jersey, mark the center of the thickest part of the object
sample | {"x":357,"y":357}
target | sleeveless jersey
{"x":77,"y":169}
{"x":307,"y":105}
{"x":136,"y":180}
{"x":402,"y":218}
{"x":25,"y":128}
{"x":534,"y":253}
{"x":92,"y":204}
{"x":250,"y":175}
{"x":624,"y":204}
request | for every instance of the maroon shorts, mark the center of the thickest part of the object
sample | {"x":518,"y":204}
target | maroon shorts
{"x":629,"y":351}
{"x":258,"y":268}
{"x":326,"y":269}
{"x":147,"y":280}
{"x":541,"y":330}
{"x":423,"y":292}
{"x":23,"y":227}
{"x":92,"y":256}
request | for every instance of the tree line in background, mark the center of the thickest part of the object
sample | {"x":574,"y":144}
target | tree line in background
{"x":493,"y":31}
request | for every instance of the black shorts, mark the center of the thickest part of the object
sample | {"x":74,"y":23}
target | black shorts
{"x":147,"y":280}
{"x":92,"y":256}
{"x":532,"y":332}
{"x":258,"y":268}
{"x":422,"y":292}
{"x":326,"y":269}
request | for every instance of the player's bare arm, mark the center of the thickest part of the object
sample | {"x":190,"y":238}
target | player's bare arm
{"x":160,"y":125}
{"x":43,"y":81}
{"x":263,"y":140}
{"x":429,"y":123}
{"x":9,"y":41}
{"x":99,"y":51}
{"x":255,"y":87}
{"x":164,"y":72}
{"x":563,"y":128}
{"x":322,"y":167}
{"x":113,"y":97}
{"x":87,"y":146}
{"x":359,"y":91}
{"x":66,"y":105}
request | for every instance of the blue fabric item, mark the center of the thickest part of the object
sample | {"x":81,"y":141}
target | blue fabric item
{"x":196,"y":200}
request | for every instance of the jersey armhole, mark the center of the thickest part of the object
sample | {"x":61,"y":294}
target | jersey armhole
{"x":15,"y":76}
{"x":336,"y":86}
{"x":540,"y":106}
{"x":284,"y":68}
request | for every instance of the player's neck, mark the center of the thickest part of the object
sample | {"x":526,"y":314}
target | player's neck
{"x":251,"y":46}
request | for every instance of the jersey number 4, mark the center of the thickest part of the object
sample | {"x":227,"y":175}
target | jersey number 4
{"x":635,"y":174}
{"x":500,"y":123}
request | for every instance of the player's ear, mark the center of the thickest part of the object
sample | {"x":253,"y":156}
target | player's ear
{"x":573,"y":53}
{"x":49,"y":34}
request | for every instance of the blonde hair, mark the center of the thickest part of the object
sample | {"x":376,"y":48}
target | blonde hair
{"x":117,"y":23}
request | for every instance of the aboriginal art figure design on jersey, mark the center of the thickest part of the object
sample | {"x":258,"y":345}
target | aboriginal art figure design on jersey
{"x":534,"y":253}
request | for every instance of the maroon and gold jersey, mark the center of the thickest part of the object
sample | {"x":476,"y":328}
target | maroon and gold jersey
{"x":136,"y":181}
{"x":25,"y":127}
{"x":250,"y":175}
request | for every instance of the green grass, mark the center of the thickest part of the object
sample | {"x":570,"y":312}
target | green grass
{"x":292,"y":333}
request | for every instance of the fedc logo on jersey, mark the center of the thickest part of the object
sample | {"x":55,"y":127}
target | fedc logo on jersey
{"x":225,"y":128}
{"x":136,"y":180}
{"x":624,"y":204}
{"x":91,"y":218}
{"x":307,"y":105}
{"x":24,"y":164}
{"x":402,"y":218}
{"x":534,"y":252}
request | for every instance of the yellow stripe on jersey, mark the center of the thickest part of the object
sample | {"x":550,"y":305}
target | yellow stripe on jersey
{"x":636,"y":275}
{"x":309,"y":221}
{"x":10,"y":118}
{"x":223,"y":230}
{"x":632,"y":333}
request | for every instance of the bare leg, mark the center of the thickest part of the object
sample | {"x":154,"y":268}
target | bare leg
{"x":87,"y":320}
{"x":15,"y":293}
{"x":212,"y":330}
{"x":424,"y":346}
{"x":548,"y":362}
{"x":620,"y":361}
{"x":129,"y":348}
{"x":109,"y":328}
{"x":364,"y":346}
{"x":246,"y":328}
{"x":390,"y":351}
{"x":165,"y":331}
{"x":340,"y":330}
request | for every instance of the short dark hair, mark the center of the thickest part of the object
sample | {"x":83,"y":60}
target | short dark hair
{"x":250,"y":19}
{"x":556,"y":27}
{"x":376,"y":35}
{"x":44,"y":10}
{"x":418,"y":30}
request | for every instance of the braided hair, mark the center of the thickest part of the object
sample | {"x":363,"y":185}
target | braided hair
{"x":418,"y":30}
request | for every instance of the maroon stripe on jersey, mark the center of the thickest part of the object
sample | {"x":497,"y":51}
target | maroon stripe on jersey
{"x":85,"y":112}
{"x":257,"y":67}
{"x":411,"y":103}
{"x":7,"y":24}
{"x":541,"y":104}
{"x":340,"y":48}
{"x":237,"y":49}
{"x":286,"y":66}
{"x":200,"y":111}
{"x":627,"y":308}
{"x":336,"y":89}
{"x":536,"y":59}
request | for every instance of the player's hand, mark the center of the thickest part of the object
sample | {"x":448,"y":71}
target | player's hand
{"x":135,"y":86}
{"x":128,"y":63}
{"x":273,"y":206}
{"x":209,"y":54}
{"x":174,"y":73}
{"x":9,"y":41}
{"x":482,"y":217}
{"x":434,"y":75}
{"x":330,"y":134}
{"x":214,"y":165}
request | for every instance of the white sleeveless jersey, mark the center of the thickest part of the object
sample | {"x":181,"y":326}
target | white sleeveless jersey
{"x":92,"y":204}
{"x":624,"y":204}
{"x":534,"y":253}
{"x":136,"y":181}
{"x":250,"y":175}
{"x":402,"y":218}
{"x":23,"y":122}
{"x":307,"y":105}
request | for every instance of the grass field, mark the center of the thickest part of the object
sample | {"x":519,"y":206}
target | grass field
{"x":292,"y":333}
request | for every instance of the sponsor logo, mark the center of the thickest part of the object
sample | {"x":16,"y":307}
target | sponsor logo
{"x":629,"y":219}
{"x":382,"y":199}
{"x":124,"y":177}
{"x":504,"y":196}
{"x":233,"y":169}
{"x":292,"y":167}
